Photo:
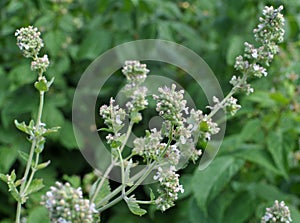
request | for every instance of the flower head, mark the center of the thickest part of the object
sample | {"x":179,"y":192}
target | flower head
{"x":29,"y":41}
{"x":66,"y":204}
{"x":40,"y":64}
{"x":171,"y":104}
{"x":169,"y":187}
{"x":279,"y":212}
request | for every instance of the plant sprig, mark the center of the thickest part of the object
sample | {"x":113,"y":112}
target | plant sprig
{"x":30,"y":43}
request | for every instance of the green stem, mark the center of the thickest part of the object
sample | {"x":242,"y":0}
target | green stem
{"x":140,"y":180}
{"x":110,"y":167}
{"x":33,"y":170}
{"x":122,"y":172}
{"x":99,"y":186}
{"x":118,"y":199}
{"x":119,"y":189}
{"x":29,"y":161}
{"x":232,"y":92}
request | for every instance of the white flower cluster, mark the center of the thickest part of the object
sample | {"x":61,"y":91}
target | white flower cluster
{"x":29,"y":41}
{"x":67,"y":205}
{"x":171,"y":104}
{"x":150,"y":146}
{"x":135,"y":73}
{"x":170,"y":187}
{"x":269,"y":32}
{"x":279,"y":212}
{"x":114,"y":117}
{"x":40,"y":63}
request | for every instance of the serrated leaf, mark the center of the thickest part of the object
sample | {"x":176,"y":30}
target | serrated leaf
{"x":208,"y":183}
{"x":23,"y":127}
{"x":104,"y":191}
{"x":134,"y":207}
{"x":36,"y":185}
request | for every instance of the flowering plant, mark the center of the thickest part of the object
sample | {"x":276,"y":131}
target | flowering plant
{"x":164,"y":150}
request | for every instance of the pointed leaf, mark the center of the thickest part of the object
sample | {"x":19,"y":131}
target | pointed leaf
{"x":104,"y":191}
{"x":134,"y":207}
{"x":23,"y":127}
{"x":208,"y":183}
{"x":152,"y":196}
{"x":43,"y":165}
{"x":275,"y":147}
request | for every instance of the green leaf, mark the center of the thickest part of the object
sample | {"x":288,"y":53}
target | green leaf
{"x":134,"y":207}
{"x":275,"y":147}
{"x":209,"y":182}
{"x":23,"y":127}
{"x":186,"y":180}
{"x":240,"y":209}
{"x":8,"y":156}
{"x":234,"y":49}
{"x":67,"y":137}
{"x":258,"y":156}
{"x":36,"y":185}
{"x":263,"y":98}
{"x":105,"y":130}
{"x":94,"y":43}
{"x":75,"y":181}
{"x":38,"y":214}
{"x":104,"y":191}
{"x":43,"y":165}
{"x":41,"y":85}
{"x":279,"y":98}
{"x":251,"y":128}
{"x":152,"y":196}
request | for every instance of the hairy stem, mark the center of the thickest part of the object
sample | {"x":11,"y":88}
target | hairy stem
{"x":110,"y":167}
{"x":118,"y":199}
{"x":23,"y":187}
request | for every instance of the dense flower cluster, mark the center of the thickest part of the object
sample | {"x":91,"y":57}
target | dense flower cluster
{"x":135,"y":73}
{"x":268,"y":34}
{"x":114,"y":117}
{"x":67,"y":205}
{"x":29,"y":41}
{"x":40,"y":64}
{"x":279,"y":212}
{"x":171,"y":104}
{"x":170,"y":187}
{"x":150,"y":146}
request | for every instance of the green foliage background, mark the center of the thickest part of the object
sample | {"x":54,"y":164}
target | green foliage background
{"x":259,"y":159}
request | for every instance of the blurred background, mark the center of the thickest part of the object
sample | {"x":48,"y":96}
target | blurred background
{"x":259,"y":158}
